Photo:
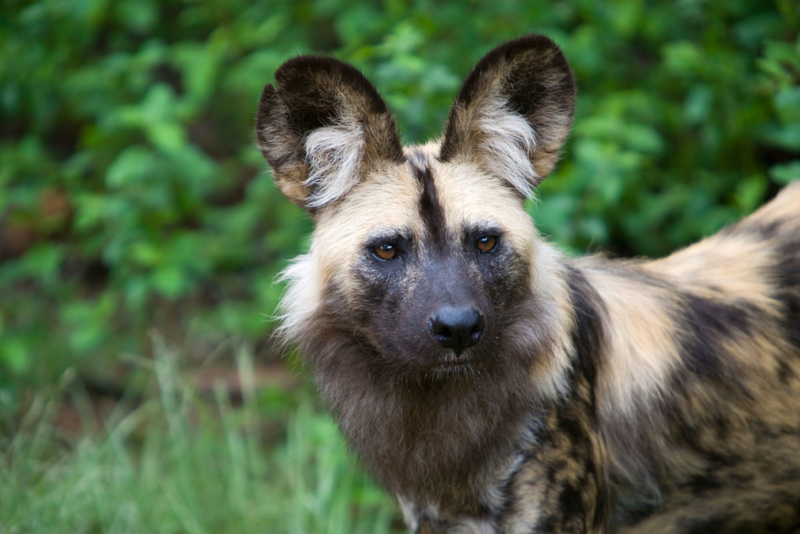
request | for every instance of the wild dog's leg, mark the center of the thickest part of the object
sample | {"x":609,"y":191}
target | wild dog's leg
{"x":559,"y":488}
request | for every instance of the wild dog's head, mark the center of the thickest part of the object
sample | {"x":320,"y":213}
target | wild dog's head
{"x":423,"y":256}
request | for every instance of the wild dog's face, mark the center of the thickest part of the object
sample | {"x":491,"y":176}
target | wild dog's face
{"x":422,"y":255}
{"x":429,"y":259}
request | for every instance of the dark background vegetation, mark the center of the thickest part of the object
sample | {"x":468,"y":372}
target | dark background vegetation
{"x":134,"y":206}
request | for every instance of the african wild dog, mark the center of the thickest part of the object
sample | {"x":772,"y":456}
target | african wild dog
{"x":495,"y":385}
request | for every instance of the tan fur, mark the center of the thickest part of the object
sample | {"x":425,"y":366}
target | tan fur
{"x":641,"y":339}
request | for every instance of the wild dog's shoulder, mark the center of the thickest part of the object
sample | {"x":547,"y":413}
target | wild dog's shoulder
{"x":699,"y":372}
{"x":746,"y":275}
{"x":731,"y":299}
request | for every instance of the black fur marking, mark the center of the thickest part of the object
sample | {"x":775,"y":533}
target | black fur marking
{"x":429,"y":208}
{"x":764,"y":231}
{"x":705,"y":323}
{"x":266,"y":106}
{"x":570,"y":424}
{"x":789,"y":475}
{"x":549,"y":525}
{"x":314,"y":105}
{"x":575,"y":419}
{"x":701,"y":483}
{"x":570,"y":502}
{"x":502,"y":269}
{"x":705,"y":526}
{"x":588,"y":336}
{"x":785,"y":373}
{"x":529,"y":96}
{"x":314,"y":92}
{"x":382,"y":279}
{"x":787,"y":276}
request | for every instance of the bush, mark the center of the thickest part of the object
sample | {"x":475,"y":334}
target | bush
{"x":133,"y":196}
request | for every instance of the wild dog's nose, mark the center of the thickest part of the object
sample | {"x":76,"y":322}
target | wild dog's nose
{"x":457,"y":328}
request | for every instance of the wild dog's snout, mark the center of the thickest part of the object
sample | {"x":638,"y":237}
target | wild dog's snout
{"x":457,"y":328}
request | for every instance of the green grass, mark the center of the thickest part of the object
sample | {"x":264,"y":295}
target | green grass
{"x":182,"y":463}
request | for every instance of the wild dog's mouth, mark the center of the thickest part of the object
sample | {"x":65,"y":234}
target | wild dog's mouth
{"x":453,"y":366}
{"x":448,"y":364}
{"x":451,"y":359}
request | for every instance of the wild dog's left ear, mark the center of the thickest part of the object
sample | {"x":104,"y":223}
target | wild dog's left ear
{"x":513,"y":112}
{"x":321,"y":128}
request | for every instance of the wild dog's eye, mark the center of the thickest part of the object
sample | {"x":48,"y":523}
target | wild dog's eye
{"x":486,"y":243}
{"x":385,"y":251}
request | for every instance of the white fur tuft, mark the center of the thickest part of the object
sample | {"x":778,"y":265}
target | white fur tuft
{"x":300,"y":298}
{"x":508,"y":141}
{"x":334,"y":156}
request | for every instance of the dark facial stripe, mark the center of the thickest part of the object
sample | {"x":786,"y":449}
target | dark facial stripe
{"x":429,"y":208}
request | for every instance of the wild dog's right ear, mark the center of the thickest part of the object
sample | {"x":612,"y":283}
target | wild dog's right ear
{"x":513,"y":112}
{"x":321,"y":128}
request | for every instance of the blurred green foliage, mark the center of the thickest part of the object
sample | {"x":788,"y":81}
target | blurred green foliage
{"x":181,"y":462}
{"x":132,"y":195}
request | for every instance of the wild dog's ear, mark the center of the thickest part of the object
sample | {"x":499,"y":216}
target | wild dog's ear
{"x":321,"y":128}
{"x":513,"y":112}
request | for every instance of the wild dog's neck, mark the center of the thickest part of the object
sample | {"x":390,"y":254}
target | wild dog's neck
{"x":564,"y":467}
{"x":433,"y":441}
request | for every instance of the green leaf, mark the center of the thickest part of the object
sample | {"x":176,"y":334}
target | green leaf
{"x":787,"y":104}
{"x":14,"y":354}
{"x":698,"y":104}
{"x":170,"y":281}
{"x":787,"y":137}
{"x":682,"y":57}
{"x":42,"y":262}
{"x":88,"y":320}
{"x":131,"y":165}
{"x":145,"y":253}
{"x":140,"y":16}
{"x":750,"y":193}
{"x":786,"y":173}
{"x":168,"y":136}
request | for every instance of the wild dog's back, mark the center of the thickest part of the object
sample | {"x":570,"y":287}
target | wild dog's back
{"x":699,"y":388}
